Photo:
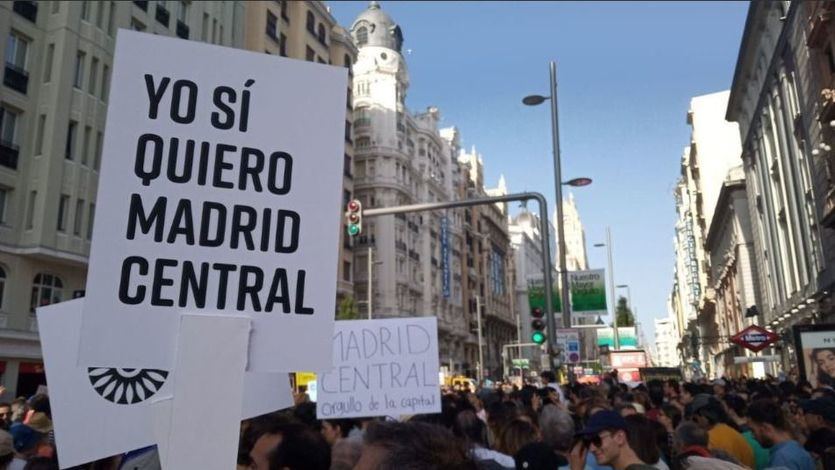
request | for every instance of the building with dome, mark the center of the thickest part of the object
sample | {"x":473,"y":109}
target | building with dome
{"x":426,"y":263}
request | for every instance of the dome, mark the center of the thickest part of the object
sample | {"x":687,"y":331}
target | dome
{"x":374,"y":27}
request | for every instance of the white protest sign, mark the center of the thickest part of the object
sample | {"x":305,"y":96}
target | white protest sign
{"x":220,"y":192}
{"x":80,"y":396}
{"x":384,"y":367}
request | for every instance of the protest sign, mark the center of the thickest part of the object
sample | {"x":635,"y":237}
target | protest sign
{"x":77,"y":397}
{"x":220,"y":192}
{"x":384,"y":367}
{"x":208,"y":347}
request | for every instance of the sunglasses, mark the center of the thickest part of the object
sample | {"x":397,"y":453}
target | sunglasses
{"x":595,"y":440}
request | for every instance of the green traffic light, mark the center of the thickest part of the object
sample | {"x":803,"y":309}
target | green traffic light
{"x":538,"y":337}
{"x":353,"y":229}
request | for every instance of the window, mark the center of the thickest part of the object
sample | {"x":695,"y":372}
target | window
{"x":40,"y":134}
{"x":320,"y":34}
{"x":88,"y":132}
{"x":284,"y":11}
{"x":311,"y":22}
{"x":94,"y":70}
{"x":8,"y":126}
{"x":348,"y":137}
{"x":69,"y":147}
{"x":346,"y":271}
{"x":100,"y":14}
{"x":4,"y":196}
{"x":79,"y":69}
{"x":2,"y":284}
{"x":30,"y":210}
{"x":50,"y":57}
{"x":97,"y":158}
{"x":46,"y":289}
{"x":282,"y":44}
{"x":272,"y":29}
{"x":16,"y":49}
{"x":105,"y":86}
{"x":62,"y":212}
{"x":136,"y":25}
{"x":110,"y":18}
{"x":309,"y":54}
{"x":85,"y":11}
{"x":204,"y":32}
{"x":90,"y":215}
{"x":362,"y":36}
{"x":79,"y":216}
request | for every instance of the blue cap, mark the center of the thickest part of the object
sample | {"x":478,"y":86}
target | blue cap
{"x":823,"y":407}
{"x":603,"y":420}
{"x":24,"y":437}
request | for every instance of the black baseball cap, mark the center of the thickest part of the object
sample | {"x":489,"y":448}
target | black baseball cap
{"x":601,"y":421}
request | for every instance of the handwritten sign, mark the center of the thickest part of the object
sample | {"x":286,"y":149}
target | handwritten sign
{"x":384,"y":367}
{"x":220,"y":191}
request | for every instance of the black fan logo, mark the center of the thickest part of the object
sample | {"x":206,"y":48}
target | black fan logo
{"x":126,"y":386}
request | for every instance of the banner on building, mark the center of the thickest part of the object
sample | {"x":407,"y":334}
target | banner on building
{"x":218,"y":193}
{"x":385,"y":367}
{"x":628,"y":364}
{"x":588,"y":293}
{"x":627,"y":337}
{"x":445,"y":270}
{"x":815,"y":346}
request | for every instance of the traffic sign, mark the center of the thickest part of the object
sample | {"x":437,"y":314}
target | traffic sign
{"x":755,"y":338}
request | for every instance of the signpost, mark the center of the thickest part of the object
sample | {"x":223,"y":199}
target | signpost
{"x":755,"y":338}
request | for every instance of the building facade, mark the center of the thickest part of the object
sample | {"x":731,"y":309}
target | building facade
{"x":53,"y":102}
{"x":665,"y":343}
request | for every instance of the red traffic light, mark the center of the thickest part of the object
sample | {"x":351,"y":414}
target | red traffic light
{"x":354,"y":206}
{"x":537,"y":313}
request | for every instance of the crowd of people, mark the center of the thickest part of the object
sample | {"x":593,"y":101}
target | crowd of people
{"x":721,"y":425}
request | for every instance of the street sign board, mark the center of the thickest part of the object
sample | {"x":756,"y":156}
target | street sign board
{"x":755,"y":338}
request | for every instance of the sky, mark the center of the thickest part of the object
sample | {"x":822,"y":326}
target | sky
{"x":626,"y":72}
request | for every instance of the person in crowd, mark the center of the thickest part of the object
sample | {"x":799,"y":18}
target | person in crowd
{"x":539,"y":456}
{"x":266,"y":435}
{"x":473,"y":432}
{"x":550,"y":380}
{"x":719,"y":388}
{"x":688,"y":391}
{"x":335,"y":429}
{"x":691,"y":453}
{"x":818,"y":413}
{"x":6,"y":449}
{"x":557,"y":428}
{"x":708,"y":413}
{"x":671,"y":390}
{"x":20,"y":407}
{"x":26,"y":442}
{"x":5,"y":415}
{"x":606,"y":436}
{"x":41,"y":463}
{"x":643,"y":439}
{"x":516,"y":434}
{"x":736,"y":407}
{"x":771,"y":429}
{"x":300,"y":448}
{"x":411,"y":445}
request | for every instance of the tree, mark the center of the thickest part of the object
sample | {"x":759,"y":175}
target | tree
{"x":347,"y":309}
{"x":624,"y":313}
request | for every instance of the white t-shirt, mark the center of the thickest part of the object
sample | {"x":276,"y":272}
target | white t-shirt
{"x":16,"y":464}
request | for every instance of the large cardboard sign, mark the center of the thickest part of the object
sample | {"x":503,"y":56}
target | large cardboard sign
{"x":102,"y":411}
{"x":220,"y":190}
{"x":386,"y":367}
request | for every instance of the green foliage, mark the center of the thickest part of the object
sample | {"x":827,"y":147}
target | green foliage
{"x":624,"y":313}
{"x":347,"y":309}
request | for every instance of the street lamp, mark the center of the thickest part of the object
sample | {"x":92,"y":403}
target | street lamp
{"x":608,"y":246}
{"x":534,"y":100}
{"x":578,"y":182}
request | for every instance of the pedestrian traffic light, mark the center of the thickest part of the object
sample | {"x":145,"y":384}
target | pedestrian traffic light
{"x":538,"y":326}
{"x":353,"y":218}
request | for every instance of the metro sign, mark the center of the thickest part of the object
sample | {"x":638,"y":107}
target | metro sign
{"x":755,"y":338}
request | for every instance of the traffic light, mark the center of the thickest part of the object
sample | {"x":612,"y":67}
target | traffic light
{"x":353,"y":218}
{"x":538,"y":326}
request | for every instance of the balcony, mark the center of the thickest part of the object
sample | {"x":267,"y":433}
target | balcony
{"x":8,"y":154}
{"x":16,"y":78}
{"x":26,"y":9}
{"x":162,"y":15}
{"x":400,"y":245}
{"x":414,"y":255}
{"x":182,"y":30}
{"x":365,"y":240}
{"x":142,"y":4}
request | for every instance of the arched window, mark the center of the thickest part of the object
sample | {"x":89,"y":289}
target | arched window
{"x":311,"y":22}
{"x":46,"y":289}
{"x":2,"y":285}
{"x":362,"y":36}
{"x":321,"y":33}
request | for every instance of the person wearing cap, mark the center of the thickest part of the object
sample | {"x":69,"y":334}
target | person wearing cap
{"x":607,"y":437}
{"x":709,"y":414}
{"x":26,"y":441}
{"x":819,"y":413}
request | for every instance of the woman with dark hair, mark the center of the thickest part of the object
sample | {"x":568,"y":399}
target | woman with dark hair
{"x":823,"y":360}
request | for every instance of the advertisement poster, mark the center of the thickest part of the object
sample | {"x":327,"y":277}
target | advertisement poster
{"x":815,"y":346}
{"x":588,"y":293}
{"x":626,"y":337}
